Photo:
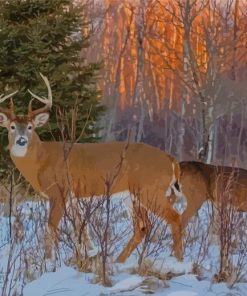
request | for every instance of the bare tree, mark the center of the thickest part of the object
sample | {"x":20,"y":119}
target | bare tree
{"x":113,"y":113}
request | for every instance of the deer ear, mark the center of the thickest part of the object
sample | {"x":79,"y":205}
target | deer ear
{"x":4,"y":120}
{"x":40,"y":119}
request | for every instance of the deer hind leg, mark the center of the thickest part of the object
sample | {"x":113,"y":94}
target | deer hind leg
{"x":164,"y":210}
{"x":141,"y":225}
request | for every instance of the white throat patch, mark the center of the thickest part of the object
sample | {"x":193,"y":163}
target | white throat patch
{"x":18,"y":151}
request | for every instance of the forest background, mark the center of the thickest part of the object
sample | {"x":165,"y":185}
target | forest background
{"x":174,"y":75}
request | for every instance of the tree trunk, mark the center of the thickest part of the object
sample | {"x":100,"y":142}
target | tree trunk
{"x":235,"y":31}
{"x":139,"y":96}
{"x":110,"y":135}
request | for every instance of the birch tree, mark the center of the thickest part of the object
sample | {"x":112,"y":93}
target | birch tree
{"x":205,"y":59}
{"x":139,"y":98}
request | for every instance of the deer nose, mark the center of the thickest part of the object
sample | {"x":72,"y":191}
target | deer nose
{"x":21,"y":141}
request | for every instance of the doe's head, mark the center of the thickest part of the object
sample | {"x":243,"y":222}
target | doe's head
{"x":21,"y":127}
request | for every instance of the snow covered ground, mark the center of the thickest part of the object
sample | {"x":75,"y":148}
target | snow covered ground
{"x":22,"y":269}
{"x":69,"y":282}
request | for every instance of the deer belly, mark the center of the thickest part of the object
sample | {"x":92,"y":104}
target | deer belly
{"x":98,"y":186}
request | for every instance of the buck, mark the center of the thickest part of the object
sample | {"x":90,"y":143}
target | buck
{"x":200,"y":182}
{"x":56,"y":169}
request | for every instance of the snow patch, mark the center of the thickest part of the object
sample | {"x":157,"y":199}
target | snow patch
{"x":66,"y":281}
{"x":183,"y":293}
{"x":128,"y":284}
{"x":170,"y":264}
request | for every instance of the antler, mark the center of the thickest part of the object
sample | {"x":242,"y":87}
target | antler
{"x":8,"y":111}
{"x":44,"y":100}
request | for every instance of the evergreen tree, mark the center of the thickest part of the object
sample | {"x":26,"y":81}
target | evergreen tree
{"x":42,"y":36}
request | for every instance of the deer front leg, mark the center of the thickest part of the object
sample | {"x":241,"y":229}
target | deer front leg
{"x":57,"y":204}
{"x":174,"y":219}
{"x":56,"y":213}
{"x":79,"y":221}
{"x":161,"y":207}
{"x":177,"y":236}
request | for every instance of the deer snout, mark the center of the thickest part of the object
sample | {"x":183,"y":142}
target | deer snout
{"x":21,"y":141}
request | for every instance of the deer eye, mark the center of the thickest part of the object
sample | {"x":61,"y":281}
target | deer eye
{"x":29,"y":127}
{"x":12,"y":127}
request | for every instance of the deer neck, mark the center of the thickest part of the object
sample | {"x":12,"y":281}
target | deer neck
{"x":195,"y":179}
{"x":29,"y":165}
